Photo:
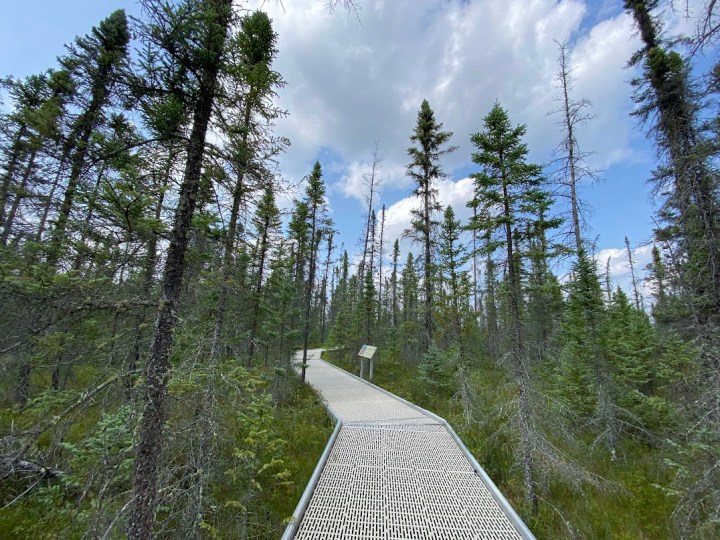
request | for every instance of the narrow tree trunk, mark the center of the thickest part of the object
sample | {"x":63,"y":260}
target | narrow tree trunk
{"x":636,"y":294}
{"x":22,"y":390}
{"x":394,"y":283}
{"x":381,"y":253}
{"x":77,"y":264}
{"x":80,"y":138}
{"x":608,"y":289}
{"x":370,"y":198}
{"x":55,"y":379}
{"x":570,"y":145}
{"x":282,"y":344}
{"x":225,"y":273}
{"x":7,"y":229}
{"x":42,"y":225}
{"x":522,"y":375}
{"x":229,"y":247}
{"x":493,"y":331}
{"x":476,"y":305}
{"x":12,"y":164}
{"x":308,"y":295}
{"x":149,"y":446}
{"x":149,"y":267}
{"x":323,"y":295}
{"x":262,"y":254}
{"x":428,"y":268}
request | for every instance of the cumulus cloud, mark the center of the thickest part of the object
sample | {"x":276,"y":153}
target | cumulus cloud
{"x":350,"y":85}
{"x":354,"y":82}
{"x":616,"y":261}
{"x":598,"y":62}
{"x":451,"y":193}
{"x":355,"y":182}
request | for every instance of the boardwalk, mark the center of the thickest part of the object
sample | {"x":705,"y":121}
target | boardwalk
{"x":393,"y":471}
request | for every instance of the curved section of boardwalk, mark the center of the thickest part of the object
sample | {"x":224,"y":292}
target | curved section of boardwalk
{"x":395,"y":471}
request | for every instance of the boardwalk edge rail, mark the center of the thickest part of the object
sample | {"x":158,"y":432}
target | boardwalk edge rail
{"x":503,"y":503}
{"x":304,"y":501}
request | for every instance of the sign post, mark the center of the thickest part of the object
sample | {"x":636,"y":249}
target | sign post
{"x":366,"y":353}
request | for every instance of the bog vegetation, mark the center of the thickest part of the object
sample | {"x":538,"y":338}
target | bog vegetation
{"x":153,"y":296}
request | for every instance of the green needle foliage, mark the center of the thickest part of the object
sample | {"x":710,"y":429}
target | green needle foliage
{"x":424,"y":168}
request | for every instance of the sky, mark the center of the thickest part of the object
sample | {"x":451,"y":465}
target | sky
{"x":355,"y":80}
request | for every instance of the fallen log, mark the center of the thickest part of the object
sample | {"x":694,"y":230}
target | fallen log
{"x":10,"y":466}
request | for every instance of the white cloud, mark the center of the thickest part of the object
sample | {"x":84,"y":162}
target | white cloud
{"x":598,"y":61}
{"x":351,"y":84}
{"x":451,"y":193}
{"x":616,"y":260}
{"x":355,"y":182}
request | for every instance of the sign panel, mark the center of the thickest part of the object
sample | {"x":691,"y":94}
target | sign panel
{"x":367,"y":351}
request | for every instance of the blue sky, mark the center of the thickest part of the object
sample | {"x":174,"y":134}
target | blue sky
{"x":350,"y":85}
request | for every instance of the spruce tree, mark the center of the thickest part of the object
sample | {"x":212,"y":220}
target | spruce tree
{"x":94,"y":62}
{"x":325,"y":287}
{"x":585,"y":369}
{"x":267,"y":225}
{"x":665,"y":94}
{"x":452,"y":259}
{"x":395,"y":305}
{"x":211,"y":31}
{"x":39,"y":107}
{"x":544,"y":295}
{"x":424,"y":168}
{"x":573,"y":169}
{"x":492,"y":327}
{"x":690,"y":227}
{"x":508,"y":183}
{"x":315,"y":203}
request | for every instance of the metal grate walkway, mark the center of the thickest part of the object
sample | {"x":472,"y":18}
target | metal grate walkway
{"x":393,"y":471}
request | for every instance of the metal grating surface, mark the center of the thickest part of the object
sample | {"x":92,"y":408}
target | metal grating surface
{"x":352,"y":400}
{"x":394,"y":473}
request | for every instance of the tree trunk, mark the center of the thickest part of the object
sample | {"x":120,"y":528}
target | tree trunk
{"x":22,"y":390}
{"x":570,"y":146}
{"x":148,"y":277}
{"x":145,"y":489}
{"x":323,"y":294}
{"x":381,"y":248}
{"x":258,"y":289}
{"x":308,"y":294}
{"x":12,"y":163}
{"x":428,"y":270}
{"x":636,"y":293}
{"x":522,"y":375}
{"x":476,"y":306}
{"x":7,"y":229}
{"x":48,"y":205}
{"x":77,"y":264}
{"x":80,"y":138}
{"x":493,"y":331}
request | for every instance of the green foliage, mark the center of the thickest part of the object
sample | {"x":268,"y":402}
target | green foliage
{"x":437,"y":371}
{"x":425,"y":169}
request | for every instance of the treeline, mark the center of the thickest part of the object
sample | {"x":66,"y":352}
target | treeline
{"x":152,"y":297}
{"x":596,"y":391}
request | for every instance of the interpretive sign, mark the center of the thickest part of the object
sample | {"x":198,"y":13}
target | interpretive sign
{"x":367,"y":351}
{"x":366,"y":355}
